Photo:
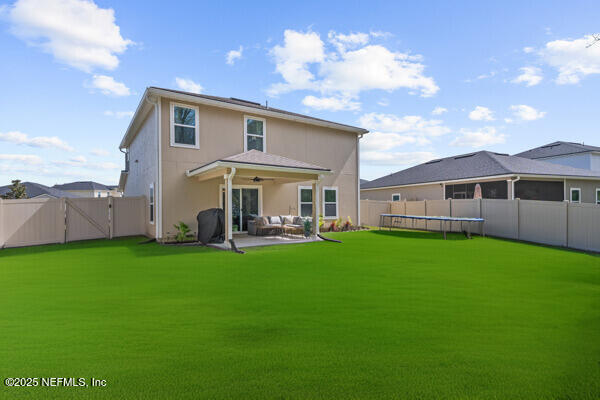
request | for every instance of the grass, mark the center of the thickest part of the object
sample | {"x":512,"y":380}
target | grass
{"x":385,"y":315}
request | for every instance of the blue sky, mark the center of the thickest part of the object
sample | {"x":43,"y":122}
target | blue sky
{"x":503,"y":76}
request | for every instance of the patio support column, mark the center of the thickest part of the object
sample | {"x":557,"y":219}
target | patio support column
{"x":228,"y":205}
{"x":315,"y":206}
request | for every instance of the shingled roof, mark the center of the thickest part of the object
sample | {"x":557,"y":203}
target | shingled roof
{"x":33,"y":189}
{"x":255,"y":157}
{"x":557,"y":149}
{"x":82,"y":185}
{"x":475,"y":165}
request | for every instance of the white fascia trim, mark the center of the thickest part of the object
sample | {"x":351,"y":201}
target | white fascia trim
{"x":559,"y":177}
{"x":255,"y":111}
{"x":230,"y":164}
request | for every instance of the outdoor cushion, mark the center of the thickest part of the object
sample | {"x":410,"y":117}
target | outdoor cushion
{"x":275,"y":220}
{"x":298,"y":221}
{"x":261,"y":221}
{"x":288,"y":219}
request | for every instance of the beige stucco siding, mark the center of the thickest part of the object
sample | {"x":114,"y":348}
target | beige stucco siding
{"x":588,"y":189}
{"x":420,"y":192}
{"x":143,"y":168}
{"x":221,"y":134}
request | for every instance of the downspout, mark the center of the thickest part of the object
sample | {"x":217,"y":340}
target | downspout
{"x":358,"y":177}
{"x":158,"y":183}
{"x":512,"y":182}
{"x":229,"y":180}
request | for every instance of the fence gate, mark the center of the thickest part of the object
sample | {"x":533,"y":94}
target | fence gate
{"x":87,"y":218}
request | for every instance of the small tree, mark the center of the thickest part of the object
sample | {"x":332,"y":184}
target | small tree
{"x":17,"y":191}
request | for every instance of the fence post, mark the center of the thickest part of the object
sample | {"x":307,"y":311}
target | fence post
{"x":567,"y":225}
{"x":1,"y":225}
{"x":63,"y":206}
{"x":481,"y":216}
{"x":518,"y":218}
{"x":110,"y":217}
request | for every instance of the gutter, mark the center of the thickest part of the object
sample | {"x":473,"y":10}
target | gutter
{"x":512,"y":182}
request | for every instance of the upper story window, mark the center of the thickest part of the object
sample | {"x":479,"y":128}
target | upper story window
{"x":255,"y":135}
{"x":396,"y":197}
{"x":184,"y":126}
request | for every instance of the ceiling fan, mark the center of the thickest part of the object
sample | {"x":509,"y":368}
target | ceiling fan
{"x":259,"y":179}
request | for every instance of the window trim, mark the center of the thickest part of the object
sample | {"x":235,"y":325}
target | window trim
{"x":396,"y":194}
{"x":300,"y":202}
{"x":196,"y":131}
{"x":337,"y":202}
{"x":246,"y":134}
{"x":571,"y":195}
{"x":597,"y":196}
{"x":151,"y":203}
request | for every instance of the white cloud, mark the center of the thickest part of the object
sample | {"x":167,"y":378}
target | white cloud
{"x":528,"y":50}
{"x":81,"y":162}
{"x":526,"y":113}
{"x":108,"y":86}
{"x":381,"y":141}
{"x":28,"y":159}
{"x":531,"y":76}
{"x":100,"y":152}
{"x":292,"y":59}
{"x":411,"y":124}
{"x":439,"y":111}
{"x":396,"y":158}
{"x":572,"y":59}
{"x":188,"y":85}
{"x":383,"y":102}
{"x":350,"y":67}
{"x":233,"y":55}
{"x":481,"y":114}
{"x":331,"y":103}
{"x":118,"y":114}
{"x":343,"y":42}
{"x":480,"y":138}
{"x":20,"y":138}
{"x":77,"y":33}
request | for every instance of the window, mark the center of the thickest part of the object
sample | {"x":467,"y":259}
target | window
{"x":396,"y":197}
{"x":575,"y":195}
{"x":151,"y":203}
{"x":184,"y":126}
{"x":305,"y":199}
{"x":255,"y":134}
{"x":598,"y":196}
{"x":99,"y":194}
{"x":330,"y":202}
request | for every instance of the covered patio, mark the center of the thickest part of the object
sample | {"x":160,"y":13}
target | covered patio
{"x":242,"y":178}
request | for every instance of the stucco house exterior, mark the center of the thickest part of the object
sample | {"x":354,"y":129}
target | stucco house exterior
{"x":188,"y":152}
{"x":500,"y":176}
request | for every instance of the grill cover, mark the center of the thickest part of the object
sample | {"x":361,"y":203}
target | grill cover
{"x":211,"y":226}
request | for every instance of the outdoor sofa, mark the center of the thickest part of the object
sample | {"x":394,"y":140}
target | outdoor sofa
{"x":277,"y":225}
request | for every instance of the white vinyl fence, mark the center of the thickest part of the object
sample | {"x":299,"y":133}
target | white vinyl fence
{"x":28,"y":222}
{"x":547,"y":222}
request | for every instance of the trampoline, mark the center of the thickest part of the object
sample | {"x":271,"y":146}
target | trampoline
{"x":394,"y":221}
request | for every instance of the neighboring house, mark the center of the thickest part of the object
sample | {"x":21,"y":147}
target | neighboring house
{"x":38,"y":191}
{"x":363,"y":181}
{"x":500,"y":176}
{"x":89,"y":189}
{"x":188,"y":152}
{"x":576,"y":155}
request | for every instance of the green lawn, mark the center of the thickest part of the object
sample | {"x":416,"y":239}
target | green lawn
{"x":385,"y":315}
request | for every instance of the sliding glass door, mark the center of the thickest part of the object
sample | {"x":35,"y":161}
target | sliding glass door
{"x":245,"y":205}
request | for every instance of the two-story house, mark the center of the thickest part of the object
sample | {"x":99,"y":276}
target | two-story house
{"x":188,"y":152}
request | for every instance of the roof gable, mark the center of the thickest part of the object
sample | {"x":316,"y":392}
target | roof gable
{"x":557,"y":149}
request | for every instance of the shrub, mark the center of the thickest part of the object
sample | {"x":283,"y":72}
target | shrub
{"x":307,"y":224}
{"x":182,"y":231}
